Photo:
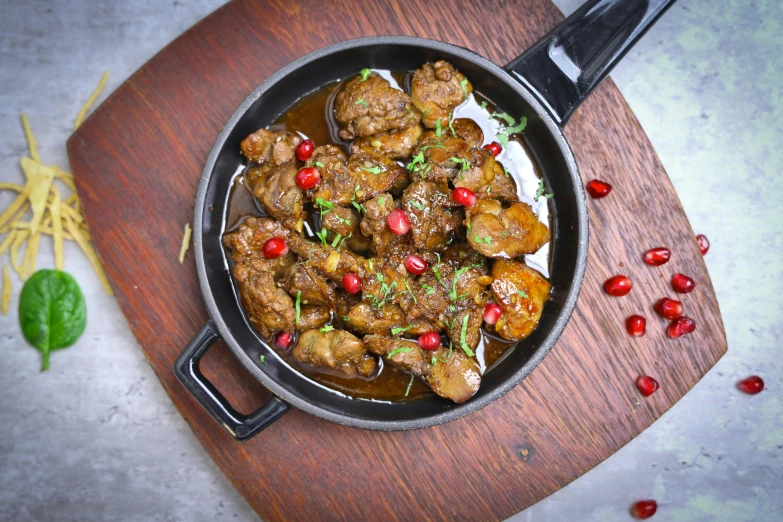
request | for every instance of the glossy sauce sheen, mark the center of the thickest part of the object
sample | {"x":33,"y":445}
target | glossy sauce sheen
{"x":311,"y":117}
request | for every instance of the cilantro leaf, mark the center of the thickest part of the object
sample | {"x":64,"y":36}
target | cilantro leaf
{"x":326,"y":206}
{"x":523,"y":294}
{"x":409,"y":386}
{"x":463,"y":334}
{"x":375,"y":169}
{"x":319,"y":164}
{"x":361,"y":100}
{"x":438,"y":130}
{"x":416,"y":204}
{"x":327,"y":328}
{"x":464,"y":85}
{"x":399,"y":349}
{"x":518,"y":128}
{"x":397,"y":331}
{"x":503,"y":116}
{"x":298,"y":306}
{"x":262,"y":358}
{"x":365,"y":74}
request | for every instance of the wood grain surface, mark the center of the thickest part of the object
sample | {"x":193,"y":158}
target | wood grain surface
{"x":137,"y":162}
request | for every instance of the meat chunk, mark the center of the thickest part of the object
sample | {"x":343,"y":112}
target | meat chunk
{"x":502,"y":188}
{"x":282,"y":199}
{"x":522,"y":292}
{"x":313,"y":316}
{"x":312,"y":287}
{"x":450,"y":373}
{"x":432,"y":222}
{"x":268,"y":307}
{"x":469,"y":131}
{"x":439,"y":158}
{"x":508,"y":233}
{"x":478,"y":172}
{"x":336,"y":350}
{"x":374,"y":221}
{"x":393,"y":144}
{"x":436,"y":89}
{"x":363,"y":318}
{"x":367,"y":174}
{"x":267,"y":147}
{"x":346,"y":223}
{"x":246,"y":242}
{"x":333,"y":263}
{"x":367,"y":106}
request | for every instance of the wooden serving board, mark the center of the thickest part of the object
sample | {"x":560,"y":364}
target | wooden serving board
{"x":137,"y":162}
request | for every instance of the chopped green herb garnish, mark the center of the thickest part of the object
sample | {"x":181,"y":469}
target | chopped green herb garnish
{"x":409,"y":386}
{"x":434,"y":361}
{"x":438,"y":145}
{"x":451,"y":120}
{"x":540,"y":191}
{"x":319,"y":164}
{"x":438,"y":130}
{"x":483,"y":105}
{"x":342,"y":242}
{"x":430,"y":290}
{"x":464,"y":164}
{"x":346,"y":318}
{"x":375,"y":169}
{"x":503,"y":139}
{"x":503,"y":116}
{"x":464,"y":85}
{"x":523,"y":294}
{"x":518,"y":128}
{"x":397,"y":331}
{"x":322,"y":235}
{"x":425,"y":113}
{"x":437,"y":274}
{"x":371,"y":261}
{"x":489,"y":189}
{"x":327,"y":328}
{"x":326,"y":206}
{"x":297,"y":305}
{"x":262,"y":358}
{"x":365,"y":74}
{"x":416,"y":204}
{"x":452,"y":309}
{"x":399,"y":349}
{"x":486,"y":240}
{"x":505,"y":171}
{"x":453,"y":293}
{"x":462,"y":336}
{"x":417,"y":162}
{"x":361,"y":100}
{"x":468,"y":226}
{"x":358,"y":206}
{"x":381,"y":201}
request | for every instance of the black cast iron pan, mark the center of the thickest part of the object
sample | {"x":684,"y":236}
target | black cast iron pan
{"x":546,"y":84}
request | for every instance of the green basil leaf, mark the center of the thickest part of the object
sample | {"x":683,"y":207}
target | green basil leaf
{"x":52,"y":312}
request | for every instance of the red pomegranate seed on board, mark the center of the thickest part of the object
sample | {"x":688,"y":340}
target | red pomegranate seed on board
{"x":494,"y":148}
{"x":463,"y":196}
{"x":644,"y":509}
{"x":398,"y":222}
{"x":307,"y":178}
{"x":283,"y":340}
{"x":275,"y":247}
{"x":492,"y":313}
{"x":415,"y":264}
{"x":752,"y":385}
{"x":704,"y":243}
{"x":647,"y":385}
{"x":657,"y":256}
{"x":636,"y":325}
{"x":305,"y":149}
{"x":682,"y":284}
{"x":352,"y":283}
{"x":618,"y":285}
{"x":680,"y":326}
{"x":669,"y":308}
{"x":429,"y":341}
{"x":598,"y":189}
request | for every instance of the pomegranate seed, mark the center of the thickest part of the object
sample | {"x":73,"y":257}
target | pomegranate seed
{"x":494,"y":148}
{"x":704,"y":243}
{"x":429,"y":341}
{"x":682,"y":284}
{"x":644,"y":509}
{"x":305,"y":149}
{"x":752,"y":385}
{"x":283,"y":340}
{"x":307,"y":178}
{"x":681,"y":325}
{"x":275,"y":247}
{"x":492,"y":313}
{"x":647,"y":385}
{"x":352,"y":283}
{"x":463,"y":196}
{"x":415,"y":264}
{"x":669,"y":308}
{"x":636,"y":325}
{"x":598,"y":189}
{"x":398,"y":222}
{"x":657,"y":256}
{"x":618,"y":285}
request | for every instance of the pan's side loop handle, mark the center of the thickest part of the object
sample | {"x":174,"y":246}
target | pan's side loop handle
{"x":241,"y":427}
{"x":564,"y":66}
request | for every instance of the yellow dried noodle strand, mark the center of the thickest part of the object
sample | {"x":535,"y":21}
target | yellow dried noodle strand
{"x":94,"y":96}
{"x":31,"y":142}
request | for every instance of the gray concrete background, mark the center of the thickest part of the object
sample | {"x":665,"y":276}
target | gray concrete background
{"x":97,"y":439}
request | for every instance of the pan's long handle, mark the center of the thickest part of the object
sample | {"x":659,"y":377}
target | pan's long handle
{"x":564,"y":66}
